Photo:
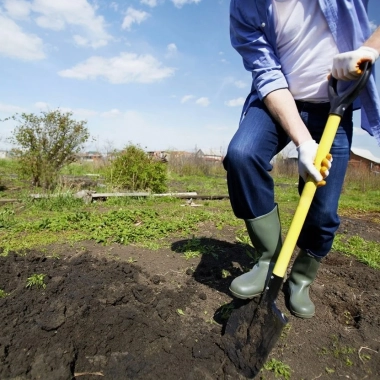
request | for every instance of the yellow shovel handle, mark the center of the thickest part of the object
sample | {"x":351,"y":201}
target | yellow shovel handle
{"x":306,"y":198}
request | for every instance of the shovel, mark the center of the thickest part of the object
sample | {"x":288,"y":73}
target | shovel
{"x":253,"y":329}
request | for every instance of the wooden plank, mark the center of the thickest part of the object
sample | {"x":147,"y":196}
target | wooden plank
{"x":211,"y":197}
{"x":177,"y":195}
{"x":107,"y":195}
{"x":9,"y":200}
{"x":186,"y":195}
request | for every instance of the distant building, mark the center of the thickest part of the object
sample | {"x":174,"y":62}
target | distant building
{"x":158,"y":155}
{"x":3,"y":154}
{"x":89,"y":156}
{"x":166,"y":156}
{"x":360,"y":159}
{"x":363,"y":159}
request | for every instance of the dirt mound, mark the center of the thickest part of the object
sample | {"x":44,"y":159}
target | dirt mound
{"x":130,"y":313}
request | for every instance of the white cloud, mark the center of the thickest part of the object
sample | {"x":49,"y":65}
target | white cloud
{"x":134,"y":16}
{"x":82,"y":113}
{"x":186,"y":98}
{"x":235,"y":102}
{"x":181,"y":3}
{"x":57,"y":14}
{"x":111,"y":114}
{"x":125,"y":68}
{"x":241,"y":84}
{"x":204,"y":102}
{"x":42,"y":106}
{"x":18,"y":9}
{"x":150,"y":3}
{"x":172,"y":48}
{"x":14,"y":43}
{"x":359,"y":131}
{"x":114,"y":6}
{"x":9,"y":108}
{"x":171,"y":51}
{"x":80,"y":40}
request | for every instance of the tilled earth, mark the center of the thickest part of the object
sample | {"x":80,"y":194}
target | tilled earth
{"x":123,"y":312}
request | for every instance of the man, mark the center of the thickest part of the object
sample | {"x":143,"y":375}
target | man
{"x":291,"y":47}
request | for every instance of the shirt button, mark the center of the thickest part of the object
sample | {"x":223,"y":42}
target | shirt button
{"x":263,"y":24}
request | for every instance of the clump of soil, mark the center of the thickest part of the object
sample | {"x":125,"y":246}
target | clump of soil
{"x":130,"y":313}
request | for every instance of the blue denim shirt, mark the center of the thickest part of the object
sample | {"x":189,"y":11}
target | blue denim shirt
{"x":252,"y":33}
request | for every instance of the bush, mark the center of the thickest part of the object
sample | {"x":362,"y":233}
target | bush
{"x":134,"y":170}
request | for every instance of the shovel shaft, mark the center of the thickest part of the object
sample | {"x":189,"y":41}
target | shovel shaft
{"x":306,"y":198}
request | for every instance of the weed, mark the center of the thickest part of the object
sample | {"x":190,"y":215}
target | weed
{"x":244,"y":239}
{"x":365,"y":357}
{"x":347,"y":317}
{"x":339,"y":351}
{"x":36,"y":280}
{"x":191,"y":255}
{"x":6,"y":218}
{"x":131,"y":260}
{"x":285,"y":331}
{"x":279,"y":368}
{"x":180,"y":312}
{"x":329,"y":370}
{"x":226,"y":310}
{"x":192,"y":248}
{"x":3,"y":294}
{"x":348,"y":362}
{"x":211,"y":321}
{"x":225,"y":273}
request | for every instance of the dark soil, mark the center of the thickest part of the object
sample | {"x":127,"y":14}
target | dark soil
{"x":124,"y":312}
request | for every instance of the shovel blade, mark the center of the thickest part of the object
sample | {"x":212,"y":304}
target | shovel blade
{"x":251,"y":333}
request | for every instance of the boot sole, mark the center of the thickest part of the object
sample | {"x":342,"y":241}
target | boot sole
{"x":303,"y":316}
{"x":243,"y":296}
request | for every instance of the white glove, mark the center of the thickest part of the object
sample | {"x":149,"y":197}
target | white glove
{"x":306,"y":157}
{"x":346,"y":65}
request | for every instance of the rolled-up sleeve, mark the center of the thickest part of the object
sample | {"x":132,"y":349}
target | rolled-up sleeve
{"x":249,"y":40}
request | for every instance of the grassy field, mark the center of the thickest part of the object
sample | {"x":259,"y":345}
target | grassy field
{"x":30,"y":224}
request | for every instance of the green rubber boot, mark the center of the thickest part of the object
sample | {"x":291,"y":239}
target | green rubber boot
{"x":265,"y":234}
{"x":302,"y":275}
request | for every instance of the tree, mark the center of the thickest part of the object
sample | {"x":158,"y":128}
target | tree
{"x":46,"y":143}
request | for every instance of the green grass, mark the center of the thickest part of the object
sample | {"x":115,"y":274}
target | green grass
{"x":148,"y":222}
{"x":209,"y":185}
{"x":136,"y":222}
{"x":367,"y":252}
{"x":82,"y":169}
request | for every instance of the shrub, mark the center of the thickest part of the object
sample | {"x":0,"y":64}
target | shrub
{"x":134,"y":170}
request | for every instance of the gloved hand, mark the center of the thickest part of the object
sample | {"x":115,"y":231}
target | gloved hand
{"x":346,"y":65}
{"x":306,"y":156}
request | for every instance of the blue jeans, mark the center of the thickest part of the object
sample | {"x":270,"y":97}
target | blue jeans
{"x":251,"y":187}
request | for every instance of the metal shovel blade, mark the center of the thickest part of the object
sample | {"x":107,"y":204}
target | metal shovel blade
{"x":253,"y":330}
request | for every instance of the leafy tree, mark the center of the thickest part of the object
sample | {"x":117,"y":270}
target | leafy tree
{"x":134,"y":170}
{"x":46,"y":143}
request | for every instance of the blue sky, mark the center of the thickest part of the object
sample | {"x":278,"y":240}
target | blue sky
{"x":159,"y":73}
